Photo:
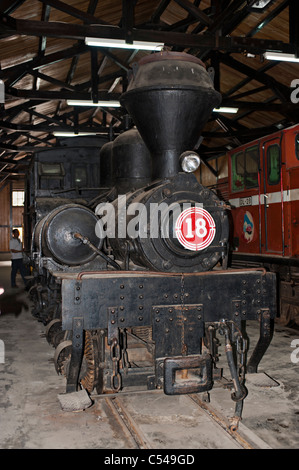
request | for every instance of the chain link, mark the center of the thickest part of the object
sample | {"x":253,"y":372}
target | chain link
{"x":241,"y":350}
{"x":115,"y":358}
{"x":124,"y":352}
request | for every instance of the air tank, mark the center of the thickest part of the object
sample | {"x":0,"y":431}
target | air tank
{"x":54,"y":235}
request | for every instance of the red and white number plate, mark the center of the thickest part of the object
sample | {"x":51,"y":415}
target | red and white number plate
{"x":195,"y":228}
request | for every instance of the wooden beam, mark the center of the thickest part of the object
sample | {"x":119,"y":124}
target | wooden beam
{"x":20,"y":128}
{"x":260,"y":76}
{"x":59,"y":95}
{"x":72,"y":11}
{"x":12,"y":75}
{"x":274,"y":13}
{"x":127,"y":20}
{"x":293,"y":24}
{"x":159,"y":11}
{"x":52,"y":80}
{"x":94,"y":74}
{"x":74,"y":31}
{"x":195,"y":12}
{"x":9,"y":6}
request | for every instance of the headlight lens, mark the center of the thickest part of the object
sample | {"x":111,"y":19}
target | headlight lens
{"x":189,"y":161}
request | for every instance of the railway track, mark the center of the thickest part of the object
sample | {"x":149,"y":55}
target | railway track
{"x":151,"y":420}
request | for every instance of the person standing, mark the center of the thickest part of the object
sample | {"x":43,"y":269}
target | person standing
{"x":16,"y":249}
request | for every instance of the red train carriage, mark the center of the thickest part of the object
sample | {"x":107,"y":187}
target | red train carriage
{"x":262,"y":188}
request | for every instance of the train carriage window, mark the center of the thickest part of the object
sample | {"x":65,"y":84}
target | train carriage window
{"x":251,"y":167}
{"x":80,"y":176}
{"x":273,"y":164}
{"x":245,"y":167}
{"x":238,"y":170}
{"x":297,"y":146}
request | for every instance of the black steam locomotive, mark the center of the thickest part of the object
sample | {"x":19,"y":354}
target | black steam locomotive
{"x":130,"y":266}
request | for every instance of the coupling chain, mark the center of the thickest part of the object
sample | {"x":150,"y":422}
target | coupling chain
{"x":241,"y":347}
{"x":124,"y":352}
{"x":115,"y":358}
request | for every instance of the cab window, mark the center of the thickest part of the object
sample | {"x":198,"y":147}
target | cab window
{"x":273,"y":164}
{"x":51,"y":170}
{"x":51,"y":175}
{"x":238,"y":171}
{"x":251,"y":167}
{"x":245,"y":167}
{"x":80,"y":176}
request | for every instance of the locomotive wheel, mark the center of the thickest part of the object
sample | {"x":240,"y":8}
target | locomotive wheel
{"x":90,"y":375}
{"x":62,"y":353}
{"x":53,"y":328}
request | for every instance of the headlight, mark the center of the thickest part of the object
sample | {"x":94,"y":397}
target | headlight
{"x":189,"y":161}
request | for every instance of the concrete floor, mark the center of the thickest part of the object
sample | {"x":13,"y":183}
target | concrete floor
{"x":31,"y":417}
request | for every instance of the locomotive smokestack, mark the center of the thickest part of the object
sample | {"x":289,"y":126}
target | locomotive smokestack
{"x":170,"y":99}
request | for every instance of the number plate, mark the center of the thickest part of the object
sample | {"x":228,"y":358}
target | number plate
{"x":245,"y":201}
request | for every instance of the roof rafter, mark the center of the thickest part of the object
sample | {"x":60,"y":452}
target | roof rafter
{"x":36,"y":98}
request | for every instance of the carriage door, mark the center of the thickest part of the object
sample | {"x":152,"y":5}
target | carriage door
{"x":272,"y":198}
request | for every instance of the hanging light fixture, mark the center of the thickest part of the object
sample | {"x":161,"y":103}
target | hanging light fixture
{"x":101,"y":104}
{"x":122,"y":44}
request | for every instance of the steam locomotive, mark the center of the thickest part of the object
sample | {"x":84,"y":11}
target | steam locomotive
{"x":132,"y":279}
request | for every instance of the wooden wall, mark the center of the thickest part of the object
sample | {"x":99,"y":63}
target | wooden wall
{"x":10,"y":217}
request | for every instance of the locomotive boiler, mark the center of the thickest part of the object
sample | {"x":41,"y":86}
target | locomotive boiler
{"x":150,"y":317}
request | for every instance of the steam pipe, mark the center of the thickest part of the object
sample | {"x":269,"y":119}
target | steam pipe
{"x":87,"y":242}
